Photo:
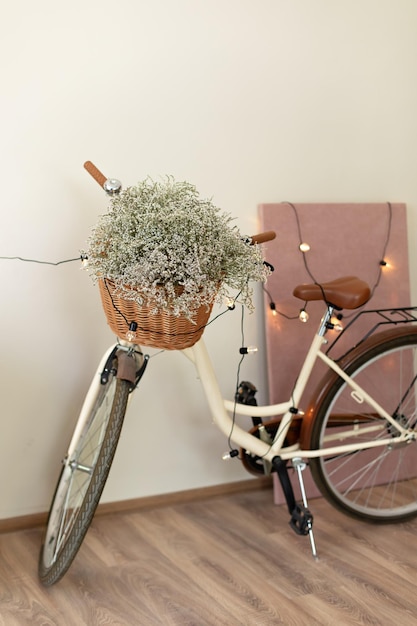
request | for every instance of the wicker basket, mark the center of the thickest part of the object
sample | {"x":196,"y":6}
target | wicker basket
{"x":157,"y":331}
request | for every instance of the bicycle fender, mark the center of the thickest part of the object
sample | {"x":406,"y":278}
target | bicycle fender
{"x":346,"y":363}
{"x":126,"y":366}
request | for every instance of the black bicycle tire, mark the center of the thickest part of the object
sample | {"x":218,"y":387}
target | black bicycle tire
{"x":50,"y":575}
{"x":317,"y":465}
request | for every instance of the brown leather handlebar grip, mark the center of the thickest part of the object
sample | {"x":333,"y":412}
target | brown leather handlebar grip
{"x":268,"y":235}
{"x":95,"y":173}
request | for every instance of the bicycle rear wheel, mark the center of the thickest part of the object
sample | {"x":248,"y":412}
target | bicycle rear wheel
{"x":380,"y":483}
{"x":83,"y":476}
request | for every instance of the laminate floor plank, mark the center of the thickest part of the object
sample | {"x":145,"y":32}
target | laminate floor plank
{"x":229,"y":560}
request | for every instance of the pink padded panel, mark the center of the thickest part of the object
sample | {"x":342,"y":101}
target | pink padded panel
{"x":345,"y":239}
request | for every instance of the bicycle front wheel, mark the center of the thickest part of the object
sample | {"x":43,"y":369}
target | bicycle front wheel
{"x":379,"y":483}
{"x":82,"y":479}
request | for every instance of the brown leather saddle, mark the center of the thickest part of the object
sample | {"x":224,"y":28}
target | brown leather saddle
{"x":348,"y":292}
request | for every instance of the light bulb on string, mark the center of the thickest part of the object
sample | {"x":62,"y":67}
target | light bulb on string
{"x":304,"y":247}
{"x":303,"y":317}
{"x":131,"y":333}
{"x":248,"y":349}
{"x":336,"y":325}
{"x":273,"y":309}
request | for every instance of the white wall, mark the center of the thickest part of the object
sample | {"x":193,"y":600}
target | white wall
{"x":304,"y":100}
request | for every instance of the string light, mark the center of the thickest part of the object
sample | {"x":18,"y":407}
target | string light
{"x":230,"y":303}
{"x":229,"y":455}
{"x":248,"y":349}
{"x":336,"y":325}
{"x":303,"y":317}
{"x":385,"y":264}
{"x":131,"y":333}
{"x":304,"y":247}
{"x":273,"y":309}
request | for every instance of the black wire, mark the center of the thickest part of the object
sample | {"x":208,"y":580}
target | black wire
{"x":288,"y":317}
{"x":384,"y":248}
{"x":210,"y":322}
{"x":19,"y":258}
{"x":307,"y":268}
{"x":164,"y":332}
{"x":242,"y":339}
{"x":300,"y":238}
{"x":115,"y":307}
{"x":347,"y":316}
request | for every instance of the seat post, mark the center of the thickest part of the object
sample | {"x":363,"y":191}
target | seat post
{"x":325,"y":320}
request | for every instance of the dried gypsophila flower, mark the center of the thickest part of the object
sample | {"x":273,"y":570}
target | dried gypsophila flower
{"x":161,"y":243}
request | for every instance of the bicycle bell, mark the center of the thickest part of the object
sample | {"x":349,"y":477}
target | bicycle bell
{"x":112,"y":186}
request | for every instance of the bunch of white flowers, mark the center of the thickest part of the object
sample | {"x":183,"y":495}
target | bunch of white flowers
{"x":160,"y":243}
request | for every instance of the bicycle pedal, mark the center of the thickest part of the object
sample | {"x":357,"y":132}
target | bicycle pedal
{"x":301,"y":520}
{"x":245,"y":393}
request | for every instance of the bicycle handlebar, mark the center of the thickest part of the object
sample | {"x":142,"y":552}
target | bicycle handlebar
{"x":268,"y":235}
{"x":112,"y":186}
{"x":95,"y":173}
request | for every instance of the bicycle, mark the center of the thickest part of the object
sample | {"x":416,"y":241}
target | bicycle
{"x":357,"y":435}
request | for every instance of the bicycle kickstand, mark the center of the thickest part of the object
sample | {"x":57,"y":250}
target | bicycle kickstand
{"x":301,"y":520}
{"x":303,"y":517}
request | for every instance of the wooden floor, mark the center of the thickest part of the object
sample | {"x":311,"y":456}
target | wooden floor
{"x":227,"y":561}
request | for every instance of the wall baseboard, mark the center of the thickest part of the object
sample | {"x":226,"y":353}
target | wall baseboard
{"x":26,"y":522}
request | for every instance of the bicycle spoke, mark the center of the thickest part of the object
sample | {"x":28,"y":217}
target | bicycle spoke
{"x":378,"y":483}
{"x":82,"y":480}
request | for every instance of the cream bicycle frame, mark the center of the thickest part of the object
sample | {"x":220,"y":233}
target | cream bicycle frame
{"x":221,"y":409}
